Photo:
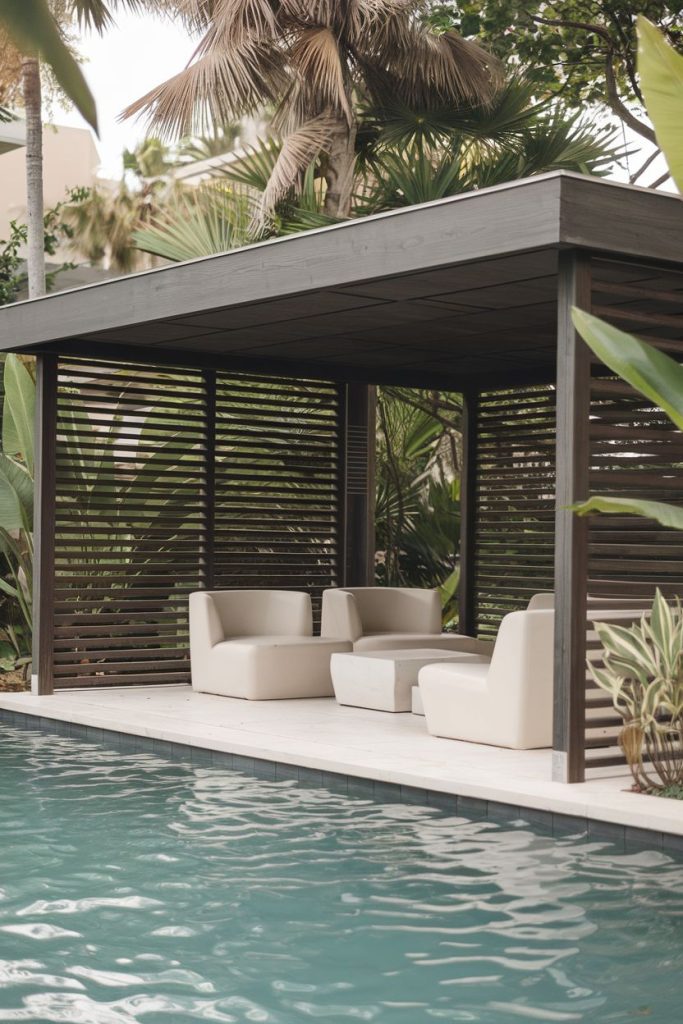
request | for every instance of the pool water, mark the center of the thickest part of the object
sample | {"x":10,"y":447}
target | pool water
{"x":136,"y":888}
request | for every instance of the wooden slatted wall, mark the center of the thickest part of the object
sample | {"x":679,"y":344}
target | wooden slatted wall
{"x":130,"y":525}
{"x":278,"y":484}
{"x":153,"y":503}
{"x":514,"y":507}
{"x":635,"y":451}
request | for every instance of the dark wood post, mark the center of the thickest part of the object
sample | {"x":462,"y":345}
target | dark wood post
{"x":468,"y":511}
{"x":209,"y":495}
{"x":42,"y":677}
{"x":571,"y":531}
{"x":359,"y":486}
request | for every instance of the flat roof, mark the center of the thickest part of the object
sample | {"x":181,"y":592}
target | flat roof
{"x":428,"y":294}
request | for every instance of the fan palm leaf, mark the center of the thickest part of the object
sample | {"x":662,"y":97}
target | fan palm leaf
{"x":310,"y":58}
{"x":208,"y":222}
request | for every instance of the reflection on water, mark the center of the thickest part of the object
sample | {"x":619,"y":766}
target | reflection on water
{"x":138,"y":889}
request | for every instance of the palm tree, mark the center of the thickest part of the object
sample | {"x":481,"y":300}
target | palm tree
{"x":314,"y":60}
{"x":404,"y":156}
{"x":30,"y":40}
{"x":104,"y":220}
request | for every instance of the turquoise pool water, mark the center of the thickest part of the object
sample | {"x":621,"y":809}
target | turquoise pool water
{"x":134,"y":888}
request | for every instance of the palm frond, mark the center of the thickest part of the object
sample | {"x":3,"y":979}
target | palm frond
{"x":212,"y":221}
{"x":315,"y":57}
{"x":296,"y":153}
{"x":254,"y":168}
{"x":239,"y":19}
{"x":221,"y":83}
{"x":446,"y":67}
{"x":99,"y":14}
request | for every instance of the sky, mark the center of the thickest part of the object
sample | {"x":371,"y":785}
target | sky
{"x":121,"y":66}
{"x":138,"y":54}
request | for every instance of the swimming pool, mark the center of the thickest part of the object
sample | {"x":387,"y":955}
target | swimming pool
{"x":136,"y":888}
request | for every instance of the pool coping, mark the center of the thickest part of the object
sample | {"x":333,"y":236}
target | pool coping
{"x":558,"y":824}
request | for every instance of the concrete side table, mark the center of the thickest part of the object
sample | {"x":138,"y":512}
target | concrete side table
{"x":383,"y":680}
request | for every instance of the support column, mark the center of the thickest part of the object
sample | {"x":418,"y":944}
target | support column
{"x":359,"y":486}
{"x":571,"y":531}
{"x":42,"y":677}
{"x":468,"y":511}
{"x":209,"y":493}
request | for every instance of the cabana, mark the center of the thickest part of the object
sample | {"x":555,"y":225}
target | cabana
{"x":210,"y":425}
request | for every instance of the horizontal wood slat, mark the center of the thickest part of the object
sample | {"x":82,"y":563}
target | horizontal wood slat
{"x":279,"y":527}
{"x":130,"y":524}
{"x":635,"y":452}
{"x":515,"y":501}
{"x":146,"y":514}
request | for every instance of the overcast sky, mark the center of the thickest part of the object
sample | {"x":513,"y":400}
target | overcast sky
{"x":121,"y":66}
{"x":140,"y":53}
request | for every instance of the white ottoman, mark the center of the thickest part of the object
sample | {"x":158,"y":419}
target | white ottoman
{"x":383,"y":680}
{"x":416,"y":705}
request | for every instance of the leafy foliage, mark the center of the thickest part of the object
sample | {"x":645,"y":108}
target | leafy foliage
{"x":583,"y":50}
{"x":197,"y":223}
{"x":642,"y":672}
{"x":661,"y":71}
{"x":58,"y":231}
{"x":16,"y":514}
{"x":312,"y":62}
{"x":417,"y":514}
{"x":651,"y":372}
{"x":33,"y":30}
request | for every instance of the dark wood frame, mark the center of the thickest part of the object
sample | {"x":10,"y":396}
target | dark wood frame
{"x":575,"y":217}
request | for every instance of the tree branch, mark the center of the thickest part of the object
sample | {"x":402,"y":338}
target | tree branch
{"x":616,"y":104}
{"x":643,"y":167}
{"x":613,"y":100}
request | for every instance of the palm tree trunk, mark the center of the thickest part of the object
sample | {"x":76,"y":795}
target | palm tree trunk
{"x":30,"y":79}
{"x":341,"y":157}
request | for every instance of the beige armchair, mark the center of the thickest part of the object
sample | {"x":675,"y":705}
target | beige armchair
{"x":258,"y":644}
{"x":391,"y":618}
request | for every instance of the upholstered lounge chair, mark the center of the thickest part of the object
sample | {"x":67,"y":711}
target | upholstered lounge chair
{"x":258,"y":644}
{"x":391,"y":618}
{"x":507,"y":701}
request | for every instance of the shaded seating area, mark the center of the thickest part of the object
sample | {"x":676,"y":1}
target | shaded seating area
{"x":210,"y":426}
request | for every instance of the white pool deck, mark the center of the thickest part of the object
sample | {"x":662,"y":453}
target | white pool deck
{"x":320,"y":734}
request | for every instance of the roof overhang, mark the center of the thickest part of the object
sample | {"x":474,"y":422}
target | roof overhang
{"x":427,"y":292}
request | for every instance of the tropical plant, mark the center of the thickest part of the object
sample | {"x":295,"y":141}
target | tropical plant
{"x":417,"y":514}
{"x":57,"y":232}
{"x":35,"y":30}
{"x":582,"y":50}
{"x":402,"y":158}
{"x":16,"y":514}
{"x":313,"y":61}
{"x":642,"y":671}
{"x":196,"y":223}
{"x":104,"y":220}
{"x":651,"y":372}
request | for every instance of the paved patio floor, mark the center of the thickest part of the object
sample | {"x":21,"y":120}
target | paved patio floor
{"x":322,"y":735}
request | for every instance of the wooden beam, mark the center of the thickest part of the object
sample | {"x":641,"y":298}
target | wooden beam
{"x":413,"y":376}
{"x":571,"y":531}
{"x":468,"y":515}
{"x":359,"y":486}
{"x":42,"y":675}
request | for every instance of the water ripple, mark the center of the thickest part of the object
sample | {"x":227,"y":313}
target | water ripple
{"x":198,"y":894}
